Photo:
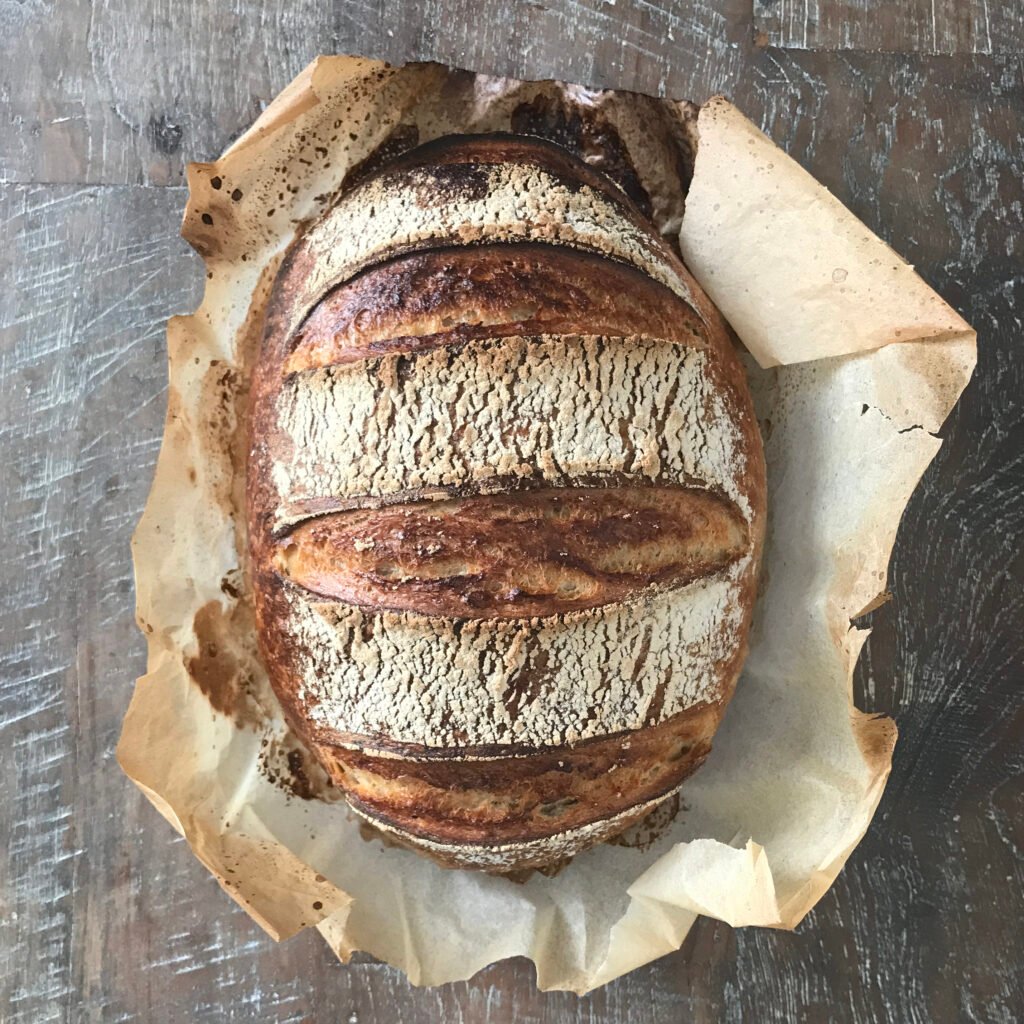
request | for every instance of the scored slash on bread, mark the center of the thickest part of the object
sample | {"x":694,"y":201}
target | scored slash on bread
{"x":452,"y":295}
{"x":516,"y":555}
{"x":506,"y":497}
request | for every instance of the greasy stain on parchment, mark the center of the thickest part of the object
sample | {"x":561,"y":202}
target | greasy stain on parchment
{"x":224,"y":666}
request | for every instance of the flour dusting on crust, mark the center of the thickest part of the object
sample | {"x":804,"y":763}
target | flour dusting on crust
{"x":451,"y":683}
{"x":552,"y":409}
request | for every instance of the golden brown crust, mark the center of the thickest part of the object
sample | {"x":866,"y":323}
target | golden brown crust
{"x":547,"y":855}
{"x":450,"y":296}
{"x":517,"y":555}
{"x":688,"y":507}
{"x":520,"y":799}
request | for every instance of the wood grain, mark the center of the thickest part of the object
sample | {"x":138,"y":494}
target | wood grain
{"x":118,"y":92}
{"x":104,"y":914}
{"x":125,"y":92}
{"x":911,"y":26}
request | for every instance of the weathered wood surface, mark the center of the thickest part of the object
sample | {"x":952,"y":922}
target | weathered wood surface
{"x":104,"y":914}
{"x":126,"y":92}
{"x":923,"y":26}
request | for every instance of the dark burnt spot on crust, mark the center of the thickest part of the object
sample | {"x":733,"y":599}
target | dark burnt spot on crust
{"x":587,"y":134}
{"x":486,"y":150}
{"x":463,"y":181}
{"x":402,"y":139}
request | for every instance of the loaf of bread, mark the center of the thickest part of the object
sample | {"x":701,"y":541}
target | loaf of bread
{"x":506,"y":499}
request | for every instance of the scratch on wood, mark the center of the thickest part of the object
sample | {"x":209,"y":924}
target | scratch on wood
{"x":927,"y":26}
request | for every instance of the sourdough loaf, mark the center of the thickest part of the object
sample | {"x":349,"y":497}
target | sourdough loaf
{"x":506,"y":498}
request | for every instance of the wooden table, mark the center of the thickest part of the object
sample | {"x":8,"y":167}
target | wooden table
{"x":912,"y":113}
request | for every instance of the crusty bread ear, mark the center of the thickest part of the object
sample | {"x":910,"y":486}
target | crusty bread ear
{"x":506,"y":500}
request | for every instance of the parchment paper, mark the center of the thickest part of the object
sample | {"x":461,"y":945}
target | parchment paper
{"x":796,"y":772}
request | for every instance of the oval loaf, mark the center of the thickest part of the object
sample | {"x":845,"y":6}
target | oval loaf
{"x":506,"y":499}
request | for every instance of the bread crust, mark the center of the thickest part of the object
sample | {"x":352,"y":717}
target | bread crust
{"x":506,"y":499}
{"x":522,"y":554}
{"x":454,"y":295}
